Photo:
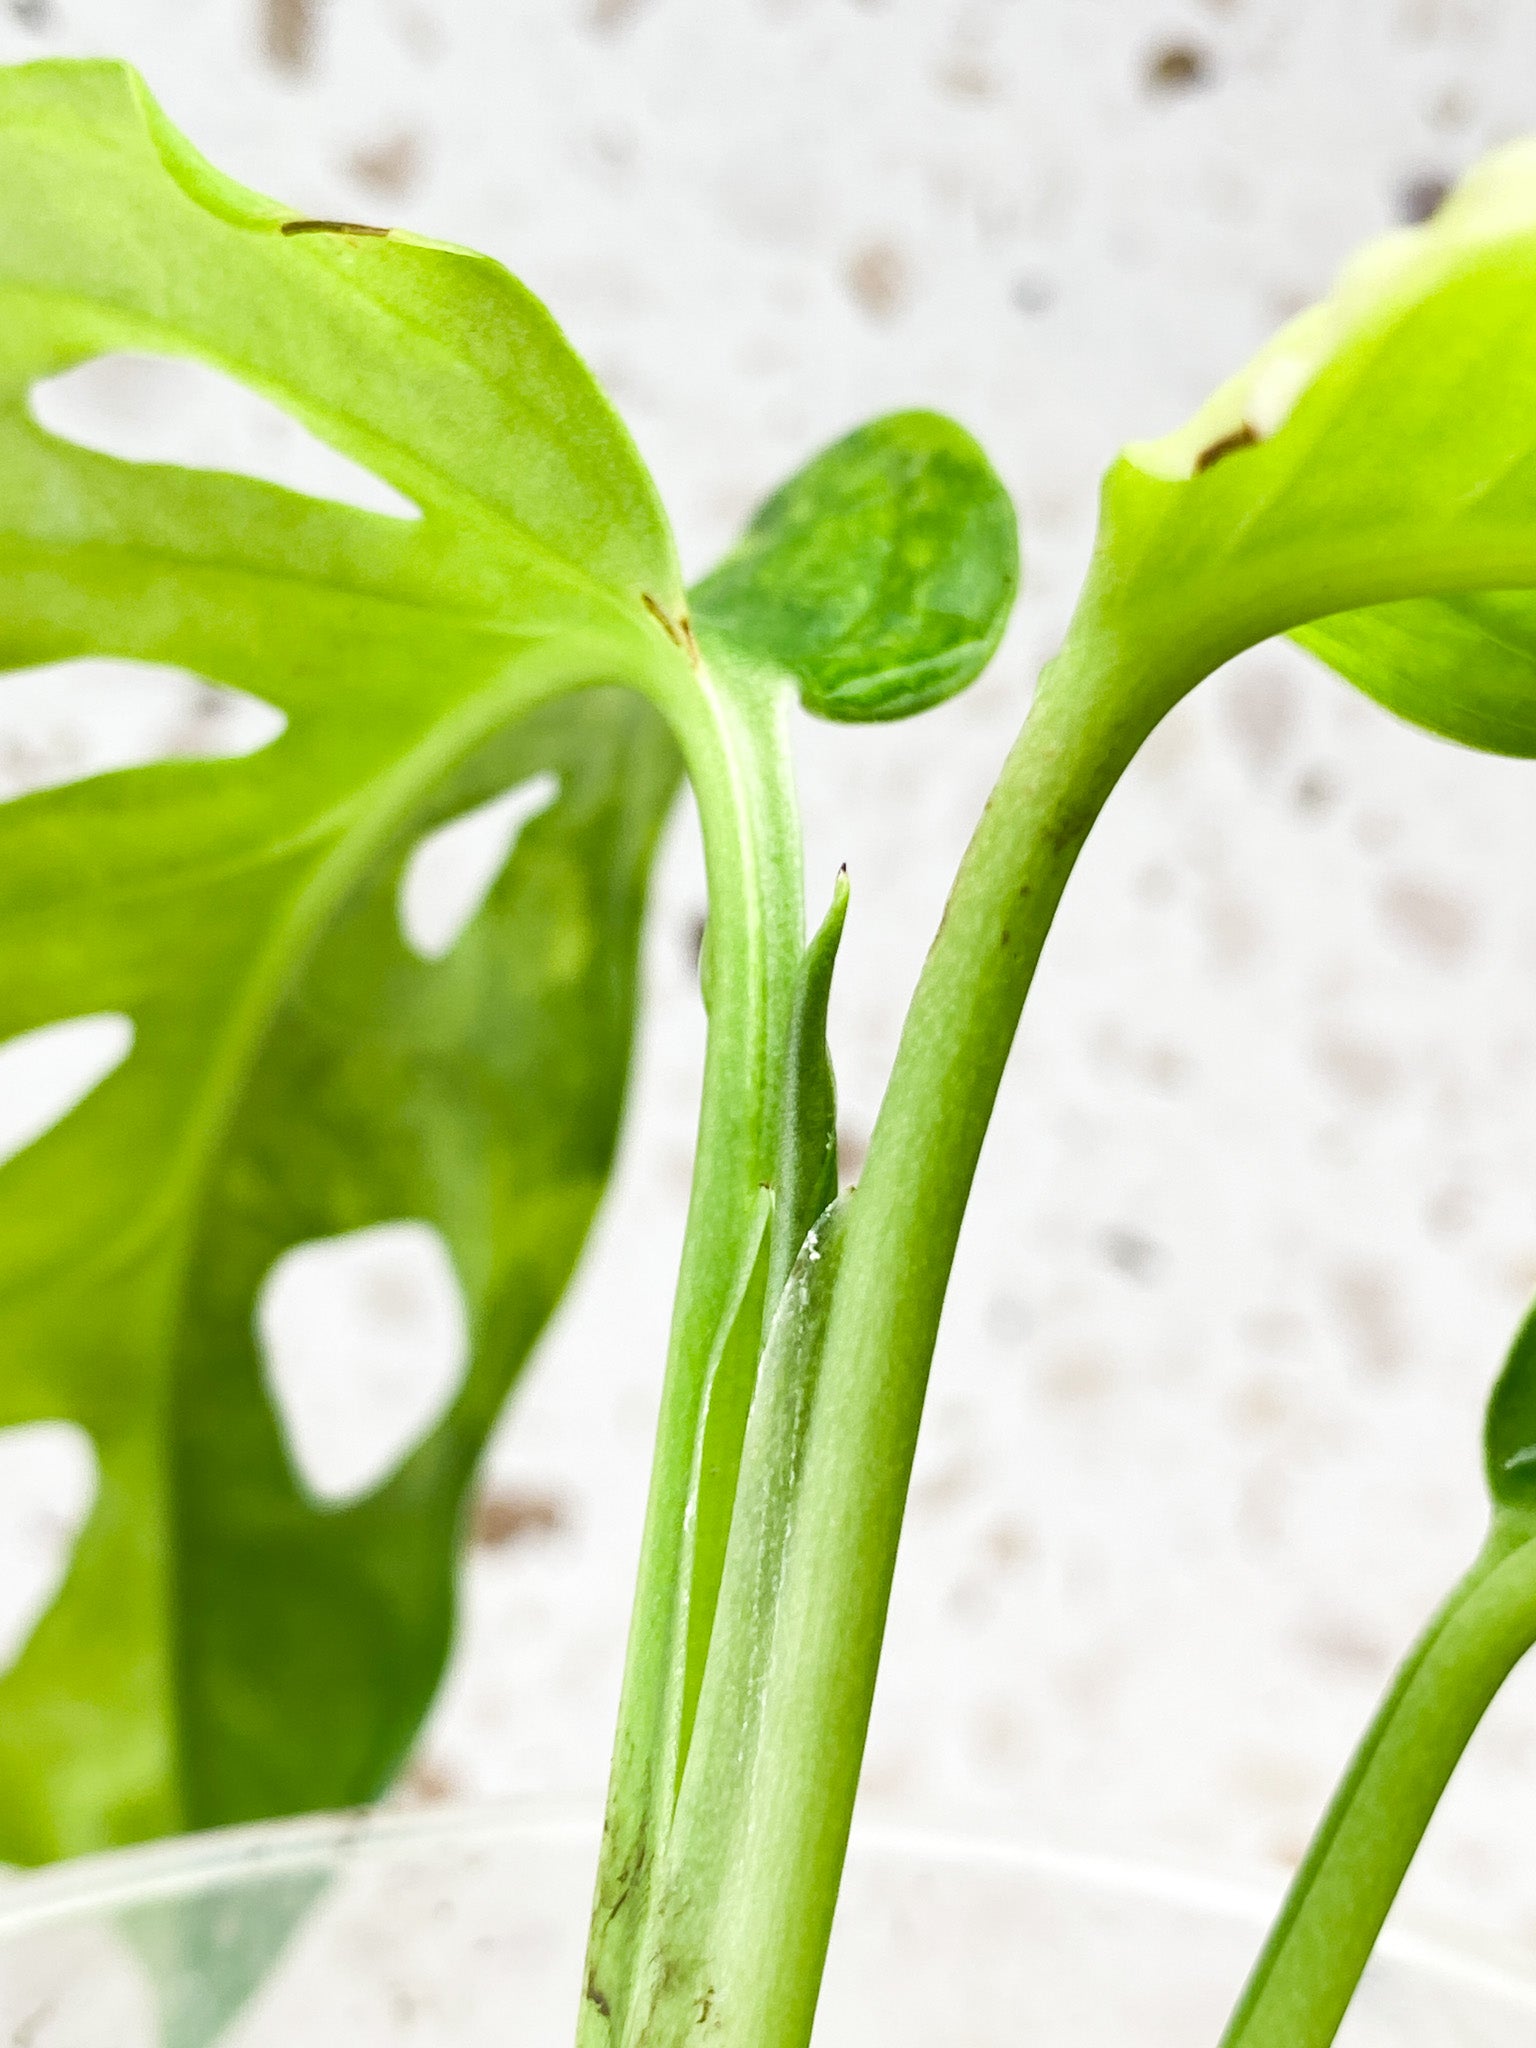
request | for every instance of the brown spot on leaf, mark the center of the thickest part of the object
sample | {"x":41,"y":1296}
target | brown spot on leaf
{"x":330,"y":227}
{"x":510,"y":1514}
{"x":1240,"y":437}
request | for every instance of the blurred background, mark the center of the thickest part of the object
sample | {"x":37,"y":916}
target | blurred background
{"x":1258,"y":1213}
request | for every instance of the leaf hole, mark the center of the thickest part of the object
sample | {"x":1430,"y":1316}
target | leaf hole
{"x":46,"y":1073}
{"x":451,"y":870}
{"x":148,"y":408}
{"x":365,"y":1343}
{"x":64,"y":721}
{"x":48,"y":1484}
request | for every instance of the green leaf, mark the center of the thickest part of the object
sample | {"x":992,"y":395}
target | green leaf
{"x":1464,"y":667}
{"x":1509,"y":1428}
{"x":1377,"y":450}
{"x":880,"y":577}
{"x":224,"y":1645}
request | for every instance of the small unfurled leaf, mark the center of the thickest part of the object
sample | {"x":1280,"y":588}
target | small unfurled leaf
{"x":807,"y":1175}
{"x":1509,"y":1428}
{"x":880,"y":577}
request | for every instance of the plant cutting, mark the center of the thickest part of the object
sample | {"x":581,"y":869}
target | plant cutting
{"x":226,"y":1646}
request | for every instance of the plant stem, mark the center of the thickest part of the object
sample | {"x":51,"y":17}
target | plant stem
{"x":739,"y":1935}
{"x":1306,"y":1975}
{"x":732,"y":727}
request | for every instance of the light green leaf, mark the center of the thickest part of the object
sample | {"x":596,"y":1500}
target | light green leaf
{"x":1378,"y":449}
{"x":225,"y":1646}
{"x":1464,"y":667}
{"x":880,"y":576}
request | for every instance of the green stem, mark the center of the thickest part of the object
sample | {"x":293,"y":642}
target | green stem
{"x":741,"y":1885}
{"x":732,"y":729}
{"x":739,"y":1934}
{"x":1304,"y":1979}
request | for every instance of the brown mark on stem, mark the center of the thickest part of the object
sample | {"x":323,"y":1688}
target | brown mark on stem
{"x":595,"y":1997}
{"x":679,"y":630}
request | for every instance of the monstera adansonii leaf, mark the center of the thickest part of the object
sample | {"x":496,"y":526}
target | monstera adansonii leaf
{"x":226,"y":1645}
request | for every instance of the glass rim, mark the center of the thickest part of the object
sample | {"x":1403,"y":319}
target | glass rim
{"x":158,"y":1871}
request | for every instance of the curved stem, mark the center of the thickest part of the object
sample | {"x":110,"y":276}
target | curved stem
{"x":1306,"y":1975}
{"x":739,"y":1923}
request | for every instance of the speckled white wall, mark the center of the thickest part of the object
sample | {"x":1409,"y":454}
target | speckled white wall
{"x":1259,"y":1210}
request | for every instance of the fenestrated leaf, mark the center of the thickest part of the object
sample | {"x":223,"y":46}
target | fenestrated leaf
{"x":222,"y":1645}
{"x":482,"y":1094}
{"x":880,"y":577}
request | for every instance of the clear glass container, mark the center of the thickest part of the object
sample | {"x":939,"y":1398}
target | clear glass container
{"x":464,"y":1929}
